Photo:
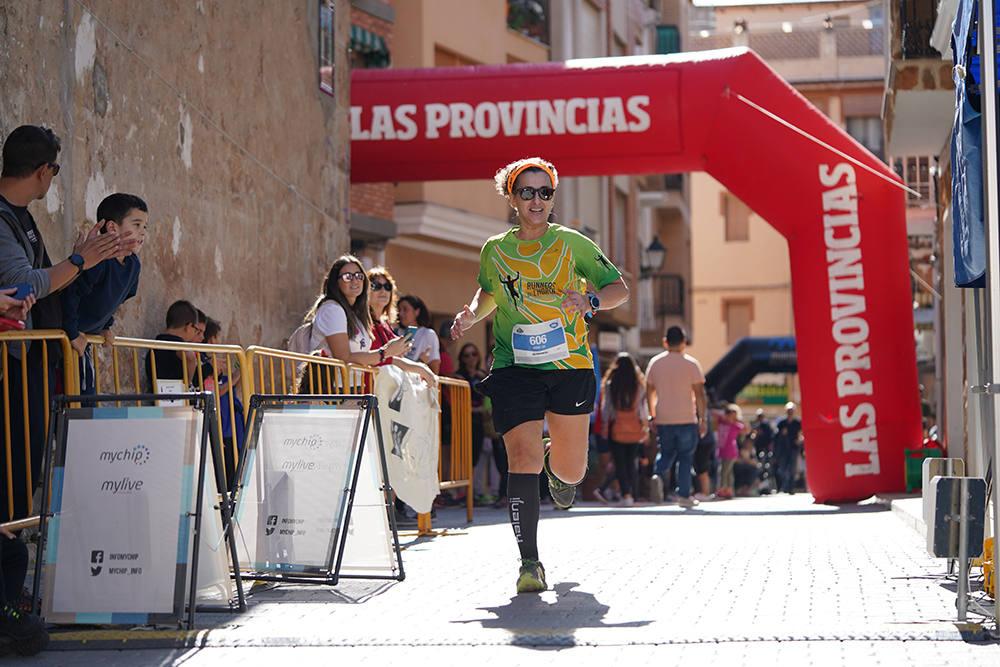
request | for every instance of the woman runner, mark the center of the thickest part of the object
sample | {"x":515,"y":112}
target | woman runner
{"x":535,"y":277}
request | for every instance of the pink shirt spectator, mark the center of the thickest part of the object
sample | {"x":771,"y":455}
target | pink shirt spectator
{"x":727,"y":435}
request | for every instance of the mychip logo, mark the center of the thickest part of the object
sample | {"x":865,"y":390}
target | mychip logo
{"x":138,"y":455}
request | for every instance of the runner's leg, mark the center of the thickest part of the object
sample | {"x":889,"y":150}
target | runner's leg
{"x":568,"y":453}
{"x":524,"y":456}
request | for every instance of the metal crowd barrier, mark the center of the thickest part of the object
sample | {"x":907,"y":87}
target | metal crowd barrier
{"x":455,"y":462}
{"x":18,"y":341}
{"x":227,"y":360}
{"x":455,"y":454}
{"x":276,"y":371}
{"x":121,"y":370}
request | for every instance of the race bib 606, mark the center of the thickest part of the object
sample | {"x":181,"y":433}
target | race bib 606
{"x":539,"y":343}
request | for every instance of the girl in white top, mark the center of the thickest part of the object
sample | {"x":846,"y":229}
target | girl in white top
{"x":342,"y":322}
{"x":426,"y":347}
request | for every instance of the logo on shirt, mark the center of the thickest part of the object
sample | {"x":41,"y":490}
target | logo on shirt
{"x":604,"y":262}
{"x":540,"y":288}
{"x":510,"y":284}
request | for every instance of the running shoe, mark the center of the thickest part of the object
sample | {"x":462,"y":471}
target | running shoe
{"x":687,"y":502}
{"x":531,"y":579}
{"x":562,"y":493}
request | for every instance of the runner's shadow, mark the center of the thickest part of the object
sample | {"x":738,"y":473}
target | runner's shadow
{"x":536,"y":623}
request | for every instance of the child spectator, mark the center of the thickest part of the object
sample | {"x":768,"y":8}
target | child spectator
{"x":230,"y":428}
{"x":730,"y":429}
{"x":89,"y":303}
{"x":202,"y":320}
{"x":183,"y":326}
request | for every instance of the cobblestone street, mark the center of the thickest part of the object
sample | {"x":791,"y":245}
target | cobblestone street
{"x":771,"y":578}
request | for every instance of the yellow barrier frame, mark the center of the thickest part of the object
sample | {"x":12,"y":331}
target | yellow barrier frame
{"x":69,"y":385}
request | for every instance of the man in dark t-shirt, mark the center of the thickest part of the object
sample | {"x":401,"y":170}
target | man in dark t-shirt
{"x":183,"y":326}
{"x":787,"y":445}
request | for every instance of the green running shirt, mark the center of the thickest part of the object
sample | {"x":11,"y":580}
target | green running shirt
{"x":527,"y":279}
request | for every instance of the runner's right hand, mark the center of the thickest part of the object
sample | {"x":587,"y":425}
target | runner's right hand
{"x":463,"y":321}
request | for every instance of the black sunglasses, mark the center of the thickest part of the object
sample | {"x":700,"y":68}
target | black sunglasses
{"x":378,"y":286}
{"x":54,"y":165}
{"x":527,"y":193}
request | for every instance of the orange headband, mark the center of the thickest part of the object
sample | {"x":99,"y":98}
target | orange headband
{"x":527,"y":165}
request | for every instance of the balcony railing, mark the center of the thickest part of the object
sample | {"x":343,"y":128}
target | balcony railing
{"x":848,"y":42}
{"x":916,"y":23}
{"x":668,"y":295}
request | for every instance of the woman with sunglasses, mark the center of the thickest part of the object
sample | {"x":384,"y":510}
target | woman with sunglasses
{"x":342,"y":322}
{"x":382,"y":304}
{"x":535,"y":277}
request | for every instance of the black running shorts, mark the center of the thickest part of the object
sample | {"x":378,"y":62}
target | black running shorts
{"x":522,"y":394}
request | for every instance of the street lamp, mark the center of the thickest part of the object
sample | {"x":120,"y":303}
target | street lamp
{"x":652,"y":258}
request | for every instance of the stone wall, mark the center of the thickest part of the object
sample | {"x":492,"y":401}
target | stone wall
{"x":210,"y":111}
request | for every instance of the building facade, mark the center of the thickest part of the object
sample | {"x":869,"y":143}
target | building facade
{"x":229,"y":119}
{"x":919,"y":112}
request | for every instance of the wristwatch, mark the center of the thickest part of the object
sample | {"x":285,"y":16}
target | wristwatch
{"x":595,"y":303}
{"x":76,"y":260}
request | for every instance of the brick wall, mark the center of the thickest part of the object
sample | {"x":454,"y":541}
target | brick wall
{"x":374,"y":199}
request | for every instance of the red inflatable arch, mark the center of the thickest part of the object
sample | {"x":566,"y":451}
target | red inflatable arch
{"x":835,"y":204}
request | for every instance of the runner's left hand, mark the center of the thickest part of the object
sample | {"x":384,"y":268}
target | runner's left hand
{"x":574,"y":302}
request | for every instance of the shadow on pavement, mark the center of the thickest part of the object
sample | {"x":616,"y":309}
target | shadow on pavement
{"x":538,"y":624}
{"x":347,"y":591}
{"x":489,"y":517}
